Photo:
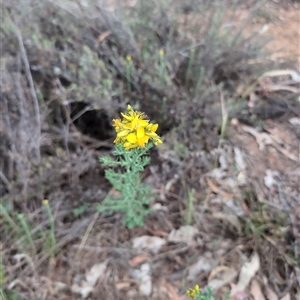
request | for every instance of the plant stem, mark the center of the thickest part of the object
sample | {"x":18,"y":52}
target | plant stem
{"x":27,"y":231}
{"x":51,"y":233}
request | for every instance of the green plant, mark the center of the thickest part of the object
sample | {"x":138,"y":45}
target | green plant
{"x":197,"y":294}
{"x":133,"y":135}
{"x":190,"y":207}
{"x":162,"y":68}
{"x":17,"y":226}
{"x":50,"y":240}
{"x":8,"y":220}
{"x":189,"y":68}
{"x":135,"y":196}
{"x":2,"y":275}
{"x":9,"y":295}
{"x":129,"y":68}
{"x":27,"y":231}
{"x":78,"y":211}
{"x":4,"y":293}
{"x":199,"y":82}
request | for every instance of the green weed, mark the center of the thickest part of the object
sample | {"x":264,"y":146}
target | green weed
{"x":135,"y":196}
{"x":198,"y":294}
{"x":50,"y":240}
{"x":19,"y":228}
{"x":190,"y":207}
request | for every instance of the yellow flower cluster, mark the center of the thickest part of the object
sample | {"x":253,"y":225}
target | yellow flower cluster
{"x":192,"y":293}
{"x":134,"y":130}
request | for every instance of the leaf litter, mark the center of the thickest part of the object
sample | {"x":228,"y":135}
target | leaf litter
{"x":248,"y":271}
{"x":86,"y":286}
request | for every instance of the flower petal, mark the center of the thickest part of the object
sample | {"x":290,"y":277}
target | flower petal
{"x":122,"y":133}
{"x":140,"y":133}
{"x":142,"y":123}
{"x":131,"y":137}
{"x":154,"y":127}
{"x":129,"y":118}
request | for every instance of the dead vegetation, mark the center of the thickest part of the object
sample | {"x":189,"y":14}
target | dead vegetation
{"x":225,"y":180}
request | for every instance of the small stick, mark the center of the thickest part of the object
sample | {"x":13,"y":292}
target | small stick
{"x":86,"y":235}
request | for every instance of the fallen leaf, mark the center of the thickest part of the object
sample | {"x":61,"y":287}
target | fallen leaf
{"x":103,"y":36}
{"x":217,"y":190}
{"x":160,"y":207}
{"x":213,"y":186}
{"x":152,"y":243}
{"x":270,"y":294}
{"x":92,"y":276}
{"x":157,"y":232}
{"x":183,"y":234}
{"x":294,"y":74}
{"x":270,"y":179}
{"x":145,"y":282}
{"x":17,"y":282}
{"x":138,"y":260}
{"x":224,"y":276}
{"x":202,"y":265}
{"x":27,"y":258}
{"x":287,"y":154}
{"x":59,"y":286}
{"x":248,"y":271}
{"x":172,"y":291}
{"x":239,"y":159}
{"x":295,"y":121}
{"x":84,"y":289}
{"x":223,"y":161}
{"x":255,"y":291}
{"x":95,"y":273}
{"x":242,"y":178}
{"x":217,"y":270}
{"x":241,"y":296}
{"x":262,"y":138}
{"x":286,"y":297}
{"x":123,"y":285}
{"x":218,"y":173}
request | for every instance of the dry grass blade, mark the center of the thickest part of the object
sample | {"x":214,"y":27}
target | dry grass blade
{"x":86,"y":235}
{"x":37,"y":114}
{"x":247,"y":272}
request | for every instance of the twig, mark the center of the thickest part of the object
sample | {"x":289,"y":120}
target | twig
{"x":108,"y":249}
{"x":83,"y":111}
{"x":86,"y":235}
{"x":5,"y":180}
{"x":32,"y":91}
{"x":182,"y":51}
{"x":293,"y":221}
{"x":224,"y":123}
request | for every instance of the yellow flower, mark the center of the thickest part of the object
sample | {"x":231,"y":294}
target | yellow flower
{"x":132,"y":114}
{"x":45,"y":201}
{"x":161,"y":52}
{"x":192,"y":293}
{"x":134,"y":130}
{"x":128,"y":57}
